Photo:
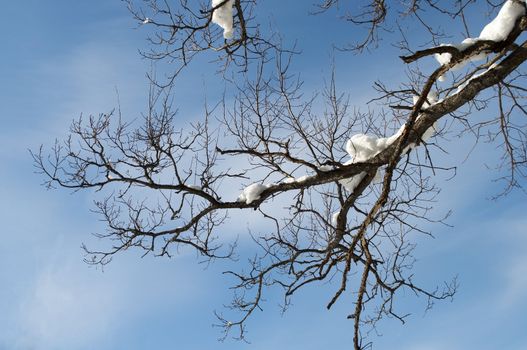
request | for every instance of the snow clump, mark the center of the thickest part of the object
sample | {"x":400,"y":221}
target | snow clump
{"x":222,"y":16}
{"x":497,"y":30}
{"x":362,"y":147}
{"x":352,"y":182}
{"x":444,"y":58}
{"x":325,"y":168}
{"x":431,"y":99}
{"x":334,"y":218}
{"x":303,"y":178}
{"x":501,"y":26}
{"x":289,"y":180}
{"x":252,"y":192}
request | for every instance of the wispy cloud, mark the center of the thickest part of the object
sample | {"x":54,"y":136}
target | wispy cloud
{"x":514,"y":267}
{"x":49,"y":298}
{"x":64,"y":310}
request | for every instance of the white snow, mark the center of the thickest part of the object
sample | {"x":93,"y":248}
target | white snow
{"x":430,"y":99}
{"x":378,"y":176}
{"x":289,"y":180}
{"x":352,"y":182}
{"x":425,"y":137}
{"x":444,"y":58}
{"x":302,"y":178}
{"x":222,"y":16}
{"x":408,"y":148}
{"x":464,"y":85}
{"x":362,"y":147}
{"x":429,"y":132}
{"x":325,"y":168}
{"x":334,"y":218}
{"x":252,"y":192}
{"x":501,"y":26}
{"x":497,"y":30}
{"x":147,"y":20}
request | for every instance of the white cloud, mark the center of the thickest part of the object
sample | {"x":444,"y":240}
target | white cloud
{"x":64,"y":309}
{"x":67,"y":305}
{"x":515,"y":282}
{"x":53,"y":301}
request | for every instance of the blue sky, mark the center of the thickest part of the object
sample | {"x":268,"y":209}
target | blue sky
{"x":59,"y":61}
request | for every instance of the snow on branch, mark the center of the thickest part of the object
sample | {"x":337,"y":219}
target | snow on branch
{"x":497,"y":30}
{"x":222,"y":16}
{"x":362,"y":147}
{"x":502,"y":29}
{"x":252,"y":192}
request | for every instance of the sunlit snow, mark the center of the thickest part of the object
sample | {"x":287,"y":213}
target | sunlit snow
{"x":497,"y":30}
{"x":252,"y":192}
{"x":222,"y":16}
